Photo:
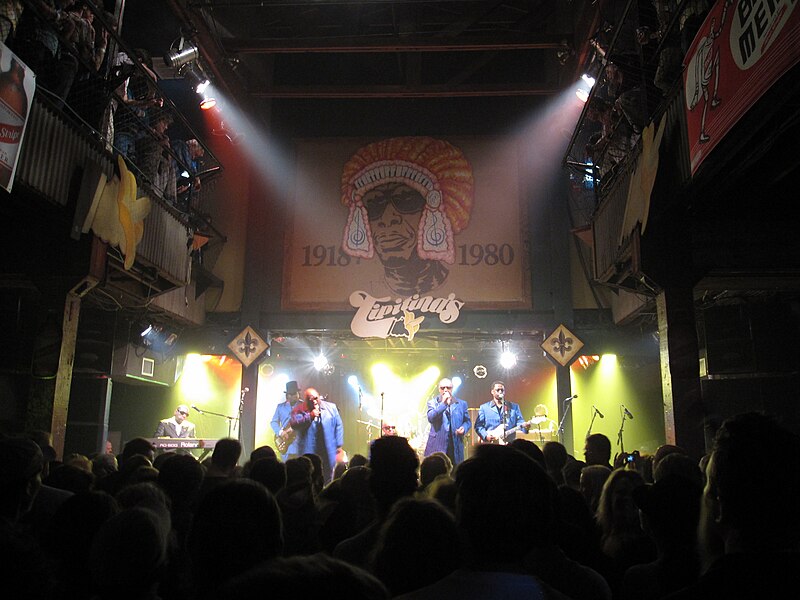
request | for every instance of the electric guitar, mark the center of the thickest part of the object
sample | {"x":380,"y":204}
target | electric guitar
{"x":282,"y":442}
{"x":500,"y":433}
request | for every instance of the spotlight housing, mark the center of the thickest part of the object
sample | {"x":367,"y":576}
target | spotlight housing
{"x":181,"y":56}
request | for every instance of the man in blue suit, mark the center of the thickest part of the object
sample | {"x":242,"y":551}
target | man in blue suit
{"x":280,"y":421}
{"x":498,"y":416}
{"x":449,"y":419}
{"x":319,"y":430}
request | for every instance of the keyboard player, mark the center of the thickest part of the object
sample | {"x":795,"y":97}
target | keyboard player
{"x":177,"y":426}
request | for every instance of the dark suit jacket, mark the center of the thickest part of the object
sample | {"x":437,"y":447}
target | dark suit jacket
{"x":445,"y":420}
{"x":166,"y":428}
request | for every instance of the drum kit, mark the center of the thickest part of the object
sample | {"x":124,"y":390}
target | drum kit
{"x":416,"y":434}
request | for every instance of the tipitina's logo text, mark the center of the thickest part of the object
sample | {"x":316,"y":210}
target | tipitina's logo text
{"x":384,"y":317}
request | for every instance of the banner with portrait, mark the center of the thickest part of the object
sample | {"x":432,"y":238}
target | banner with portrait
{"x":437,"y":223}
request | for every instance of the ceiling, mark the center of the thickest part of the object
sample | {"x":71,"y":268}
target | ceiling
{"x":386,"y":49}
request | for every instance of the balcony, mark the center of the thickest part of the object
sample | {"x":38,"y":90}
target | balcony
{"x":71,"y":148}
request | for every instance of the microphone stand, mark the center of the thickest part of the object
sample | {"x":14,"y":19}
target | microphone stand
{"x":230,"y":418}
{"x":239,"y":416}
{"x":381,"y":414}
{"x":567,"y":405}
{"x":591,"y":423}
{"x":619,"y":435}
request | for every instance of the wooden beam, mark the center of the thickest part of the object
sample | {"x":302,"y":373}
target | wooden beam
{"x":400,"y":91}
{"x":384,"y":44}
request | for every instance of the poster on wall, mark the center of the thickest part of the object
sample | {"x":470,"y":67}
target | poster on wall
{"x":17,"y":85}
{"x":740,"y":51}
{"x":405,"y":229}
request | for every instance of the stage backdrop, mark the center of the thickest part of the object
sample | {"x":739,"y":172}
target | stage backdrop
{"x":402,"y":218}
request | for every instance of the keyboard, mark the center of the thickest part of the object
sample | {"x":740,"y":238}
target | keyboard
{"x":183,"y":443}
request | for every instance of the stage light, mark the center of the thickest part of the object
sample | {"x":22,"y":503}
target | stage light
{"x":353,"y":381}
{"x":182,"y":55}
{"x":202,"y":86}
{"x":208,"y":103}
{"x":320,"y":362}
{"x":508,"y":359}
{"x":585,"y":86}
{"x":456,"y":383}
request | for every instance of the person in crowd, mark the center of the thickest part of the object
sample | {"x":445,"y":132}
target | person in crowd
{"x":496,"y":478}
{"x":669,"y":510}
{"x":177,"y":426}
{"x":393,"y":475}
{"x":37,"y":42}
{"x":21,"y":463}
{"x":10,"y":11}
{"x":499,"y":419}
{"x":222,"y":464}
{"x":270,"y":473}
{"x":239,"y":525}
{"x":319,"y":430}
{"x":430,"y":468}
{"x":316,"y":577}
{"x":749,"y":522}
{"x":449,"y":419}
{"x":299,"y":508}
{"x":593,"y":478}
{"x":555,"y":456}
{"x":181,"y":478}
{"x":623,"y":542}
{"x":398,"y":562}
{"x":597,"y":450}
{"x":154,"y":155}
{"x":128,"y":553}
{"x":187,"y":166}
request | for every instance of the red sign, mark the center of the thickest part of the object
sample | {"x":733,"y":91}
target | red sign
{"x":741,"y":50}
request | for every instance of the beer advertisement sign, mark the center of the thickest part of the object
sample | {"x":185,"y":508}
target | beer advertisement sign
{"x":17,"y":85}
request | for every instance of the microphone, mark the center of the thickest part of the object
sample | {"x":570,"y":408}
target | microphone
{"x":627,"y":412}
{"x":571,"y":398}
{"x":599,"y":414}
{"x":247,"y":389}
{"x":197,"y":409}
{"x":359,"y":397}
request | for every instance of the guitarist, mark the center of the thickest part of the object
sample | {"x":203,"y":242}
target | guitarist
{"x":499,"y":415}
{"x":280,"y":421}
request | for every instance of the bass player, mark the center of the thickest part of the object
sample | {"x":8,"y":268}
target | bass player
{"x":499,"y":419}
{"x":285,"y":437}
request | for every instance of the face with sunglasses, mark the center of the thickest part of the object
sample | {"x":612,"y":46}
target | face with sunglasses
{"x":394,"y":211}
{"x":181,"y":413}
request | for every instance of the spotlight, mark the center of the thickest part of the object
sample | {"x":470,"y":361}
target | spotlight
{"x":194,"y":76}
{"x":208,"y":103}
{"x":508,"y":359}
{"x":320,"y":362}
{"x":584,"y":87}
{"x":181,"y":56}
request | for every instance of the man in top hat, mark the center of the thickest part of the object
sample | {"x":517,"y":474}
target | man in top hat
{"x":176,"y":426}
{"x":285,"y":437}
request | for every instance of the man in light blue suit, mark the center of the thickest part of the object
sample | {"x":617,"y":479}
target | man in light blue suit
{"x":499,"y":420}
{"x":449,"y":419}
{"x":284,"y":436}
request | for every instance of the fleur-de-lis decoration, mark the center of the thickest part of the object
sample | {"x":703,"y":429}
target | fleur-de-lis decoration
{"x":562,"y":344}
{"x":247,"y":344}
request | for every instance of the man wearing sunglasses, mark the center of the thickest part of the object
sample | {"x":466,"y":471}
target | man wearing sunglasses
{"x":499,"y":420}
{"x":319,"y":430}
{"x":449,"y":419}
{"x":177,"y":426}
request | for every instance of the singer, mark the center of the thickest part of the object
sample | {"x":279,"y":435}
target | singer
{"x":498,"y":416}
{"x":319,"y":430}
{"x":176,"y":426}
{"x":449,"y":419}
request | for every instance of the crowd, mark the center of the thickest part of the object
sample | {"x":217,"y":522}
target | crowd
{"x":79,"y":65}
{"x":642,"y":68}
{"x":510,"y":521}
